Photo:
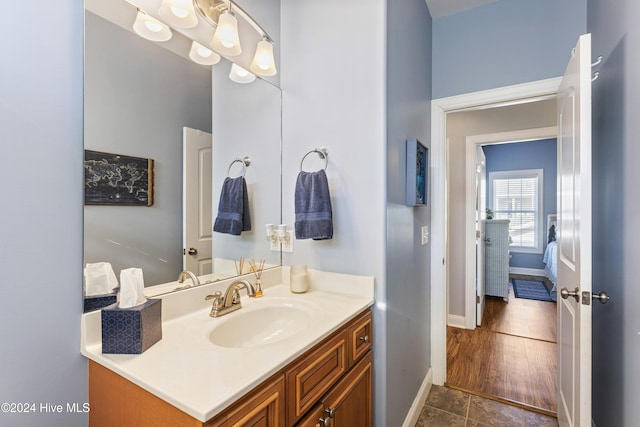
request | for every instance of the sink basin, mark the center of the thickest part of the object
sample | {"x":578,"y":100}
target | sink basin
{"x":260,"y":326}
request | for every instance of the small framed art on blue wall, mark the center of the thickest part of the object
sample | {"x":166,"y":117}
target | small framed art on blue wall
{"x":417,"y":173}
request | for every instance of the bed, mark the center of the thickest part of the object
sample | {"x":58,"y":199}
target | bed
{"x":550,"y":258}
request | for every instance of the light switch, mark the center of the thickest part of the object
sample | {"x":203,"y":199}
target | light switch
{"x":425,"y":234}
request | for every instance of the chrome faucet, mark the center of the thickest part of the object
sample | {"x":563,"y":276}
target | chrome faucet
{"x":230,"y":301}
{"x":183,"y":275}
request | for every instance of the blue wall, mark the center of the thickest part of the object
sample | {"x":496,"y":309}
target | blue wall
{"x":408,"y":292}
{"x":504,"y":43}
{"x":41,"y":227}
{"x":616,"y":203}
{"x":527,"y":155}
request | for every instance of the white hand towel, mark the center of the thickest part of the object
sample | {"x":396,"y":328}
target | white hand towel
{"x":99,"y":279}
{"x":131,"y":288}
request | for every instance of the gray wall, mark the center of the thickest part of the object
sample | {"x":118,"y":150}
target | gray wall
{"x":504,"y":43}
{"x":138,"y":97}
{"x":616,"y":107}
{"x":408,"y":290}
{"x":41,"y":228}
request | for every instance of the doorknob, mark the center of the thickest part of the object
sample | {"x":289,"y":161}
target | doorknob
{"x":566,"y":293}
{"x":602,"y":297}
{"x":193,"y":251}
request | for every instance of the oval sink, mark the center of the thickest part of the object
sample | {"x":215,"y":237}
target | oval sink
{"x":260,"y":326}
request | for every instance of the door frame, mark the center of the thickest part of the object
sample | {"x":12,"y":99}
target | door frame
{"x":471,"y":145}
{"x":508,"y":95}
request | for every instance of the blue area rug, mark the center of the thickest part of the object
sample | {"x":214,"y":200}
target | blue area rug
{"x":531,"y":289}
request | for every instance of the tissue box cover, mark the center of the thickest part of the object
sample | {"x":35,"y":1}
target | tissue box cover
{"x":131,"y":330}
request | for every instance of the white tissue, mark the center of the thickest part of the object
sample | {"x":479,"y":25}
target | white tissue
{"x":131,"y":288}
{"x":99,"y":279}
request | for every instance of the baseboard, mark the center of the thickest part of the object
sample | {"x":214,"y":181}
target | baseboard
{"x":418,"y":402}
{"x":527,"y":271}
{"x":456,"y":321}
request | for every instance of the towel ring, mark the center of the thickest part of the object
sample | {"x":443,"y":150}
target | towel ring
{"x":322,"y":152}
{"x":246,"y":161}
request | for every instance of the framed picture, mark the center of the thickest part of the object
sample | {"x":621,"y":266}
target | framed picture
{"x":115,"y":179}
{"x":417,"y":173}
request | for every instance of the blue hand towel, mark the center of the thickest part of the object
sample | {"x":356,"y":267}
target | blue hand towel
{"x":313,"y":206}
{"x":233,"y":209}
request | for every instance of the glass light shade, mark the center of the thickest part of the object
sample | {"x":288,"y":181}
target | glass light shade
{"x":178,"y":13}
{"x":263,"y":63}
{"x":203,"y":55}
{"x":150,"y":28}
{"x":240,"y":75}
{"x":226,"y":39}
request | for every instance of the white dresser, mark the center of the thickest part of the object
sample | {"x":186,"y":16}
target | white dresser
{"x":496,"y":257}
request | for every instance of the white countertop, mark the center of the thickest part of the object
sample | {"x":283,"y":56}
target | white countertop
{"x":187,"y":370}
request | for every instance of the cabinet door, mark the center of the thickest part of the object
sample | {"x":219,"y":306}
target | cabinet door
{"x":308,"y":380}
{"x":262,"y":408}
{"x":348,"y":404}
{"x":360,"y":334}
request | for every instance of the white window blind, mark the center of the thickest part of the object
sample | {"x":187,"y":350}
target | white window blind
{"x":517,"y":196}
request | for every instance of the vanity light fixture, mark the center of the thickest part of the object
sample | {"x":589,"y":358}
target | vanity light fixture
{"x":203,"y":55}
{"x":240,"y":75}
{"x":150,"y":28}
{"x":178,"y":13}
{"x":263,"y":63}
{"x":226,"y":39}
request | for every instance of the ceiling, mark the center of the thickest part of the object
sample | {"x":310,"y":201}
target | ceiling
{"x":439,"y":8}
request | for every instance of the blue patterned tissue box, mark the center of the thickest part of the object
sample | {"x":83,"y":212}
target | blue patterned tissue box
{"x":131,"y":330}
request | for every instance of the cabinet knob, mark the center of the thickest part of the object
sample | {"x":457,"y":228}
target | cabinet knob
{"x":331,"y":412}
{"x":324,"y":422}
{"x":365,"y":338}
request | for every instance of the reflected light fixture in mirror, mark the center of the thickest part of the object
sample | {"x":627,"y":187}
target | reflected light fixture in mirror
{"x":226,"y":39}
{"x":263,"y":63}
{"x":178,"y":13}
{"x":150,"y":28}
{"x":240,"y":75}
{"x":203,"y":55}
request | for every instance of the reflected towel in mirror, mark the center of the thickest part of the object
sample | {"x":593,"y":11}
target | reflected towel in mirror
{"x":233,"y":209}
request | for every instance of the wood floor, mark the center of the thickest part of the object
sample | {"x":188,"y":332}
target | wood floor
{"x":511,"y":356}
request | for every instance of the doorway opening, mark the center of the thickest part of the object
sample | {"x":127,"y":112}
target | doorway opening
{"x":441,"y":108}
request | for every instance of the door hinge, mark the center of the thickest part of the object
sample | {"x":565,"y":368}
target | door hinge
{"x":477,"y":299}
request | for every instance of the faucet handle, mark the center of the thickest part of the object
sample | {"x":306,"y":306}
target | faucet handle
{"x":236,"y":297}
{"x":217,"y":299}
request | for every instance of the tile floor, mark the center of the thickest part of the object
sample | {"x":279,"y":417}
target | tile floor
{"x":447,"y":407}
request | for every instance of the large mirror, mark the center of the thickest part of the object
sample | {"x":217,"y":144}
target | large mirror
{"x":147,"y":100}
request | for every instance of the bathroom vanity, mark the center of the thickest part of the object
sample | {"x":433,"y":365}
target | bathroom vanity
{"x":281,"y":360}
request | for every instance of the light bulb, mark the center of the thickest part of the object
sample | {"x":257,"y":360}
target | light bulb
{"x":150,"y":28}
{"x":202,"y":55}
{"x":226,"y":39}
{"x":178,"y":13}
{"x":240,"y":75}
{"x":263,"y":62}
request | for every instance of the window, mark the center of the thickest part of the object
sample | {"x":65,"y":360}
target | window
{"x":517,"y":196}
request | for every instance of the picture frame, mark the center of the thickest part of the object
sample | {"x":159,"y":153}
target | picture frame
{"x":417,"y":185}
{"x":116,"y":179}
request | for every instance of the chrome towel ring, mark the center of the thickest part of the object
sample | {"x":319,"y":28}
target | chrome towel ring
{"x":322,"y":152}
{"x":246,"y":161}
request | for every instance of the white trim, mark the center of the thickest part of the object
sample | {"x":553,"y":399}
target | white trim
{"x":458,"y":321}
{"x":439,"y":109}
{"x":527,"y":271}
{"x":418,"y":402}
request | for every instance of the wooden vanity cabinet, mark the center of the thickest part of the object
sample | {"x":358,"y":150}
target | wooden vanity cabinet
{"x":333,"y":379}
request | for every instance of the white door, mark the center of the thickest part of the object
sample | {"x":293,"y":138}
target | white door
{"x":197,"y":206}
{"x":574,"y":239}
{"x":481,"y":206}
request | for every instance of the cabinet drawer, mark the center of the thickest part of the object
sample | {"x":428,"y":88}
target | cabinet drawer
{"x":360,"y":335}
{"x":312,"y":419}
{"x":262,"y":407}
{"x":309,"y":379}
